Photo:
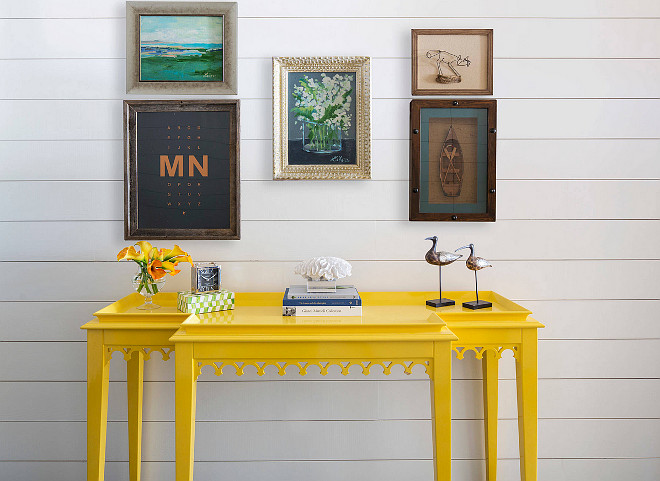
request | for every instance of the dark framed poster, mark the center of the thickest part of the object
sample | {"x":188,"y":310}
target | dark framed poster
{"x":452,"y":160}
{"x":181,"y":176}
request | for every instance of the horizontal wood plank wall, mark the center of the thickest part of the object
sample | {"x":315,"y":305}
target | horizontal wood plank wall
{"x":576,"y":241}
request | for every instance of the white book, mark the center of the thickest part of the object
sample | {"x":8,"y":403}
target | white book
{"x":343,"y":292}
{"x":322,"y":310}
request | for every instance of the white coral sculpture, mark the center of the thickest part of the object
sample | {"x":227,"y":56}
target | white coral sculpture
{"x":323,"y":269}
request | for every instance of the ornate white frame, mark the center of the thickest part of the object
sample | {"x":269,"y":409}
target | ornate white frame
{"x":281,"y":68}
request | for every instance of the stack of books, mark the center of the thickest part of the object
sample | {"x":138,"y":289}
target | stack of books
{"x":345,"y":301}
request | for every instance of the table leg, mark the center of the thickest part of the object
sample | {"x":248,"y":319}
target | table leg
{"x":527,"y":391}
{"x":134,"y":389}
{"x":441,"y":411}
{"x":97,"y":404}
{"x":185,"y":387}
{"x":489,"y":366}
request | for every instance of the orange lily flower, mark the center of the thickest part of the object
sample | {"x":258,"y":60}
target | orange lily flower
{"x":178,"y":252}
{"x":154,"y":263}
{"x":155,"y":271}
{"x":145,"y":247}
{"x":170,"y":267}
{"x":130,"y":254}
{"x":159,"y":254}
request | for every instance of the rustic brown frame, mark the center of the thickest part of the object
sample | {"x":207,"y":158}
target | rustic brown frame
{"x":131,"y":228}
{"x":415,"y":160}
{"x":416,"y":90}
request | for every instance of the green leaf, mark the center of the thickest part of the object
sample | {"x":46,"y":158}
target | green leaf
{"x":329,"y":113}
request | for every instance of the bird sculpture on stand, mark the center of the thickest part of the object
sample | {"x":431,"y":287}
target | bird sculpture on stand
{"x":440,"y":259}
{"x":475,"y":264}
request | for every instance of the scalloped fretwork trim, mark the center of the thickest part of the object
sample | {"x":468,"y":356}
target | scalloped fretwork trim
{"x":302,"y":366}
{"x":481,"y":350}
{"x":128,"y":351}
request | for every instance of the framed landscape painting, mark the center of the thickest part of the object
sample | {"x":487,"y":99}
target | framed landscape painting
{"x":181,"y":47}
{"x":181,"y":177}
{"x":322,"y":118}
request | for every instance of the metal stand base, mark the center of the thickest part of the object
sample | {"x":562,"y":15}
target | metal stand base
{"x":440,"y":302}
{"x":477,"y":304}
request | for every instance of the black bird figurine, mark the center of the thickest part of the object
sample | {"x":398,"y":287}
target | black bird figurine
{"x":475,"y":264}
{"x":439,"y":259}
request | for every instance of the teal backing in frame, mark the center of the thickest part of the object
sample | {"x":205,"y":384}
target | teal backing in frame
{"x":481,"y":115}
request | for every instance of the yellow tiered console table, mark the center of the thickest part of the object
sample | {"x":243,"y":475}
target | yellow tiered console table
{"x":396,"y":328}
{"x":137,"y":335}
{"x":489,"y":332}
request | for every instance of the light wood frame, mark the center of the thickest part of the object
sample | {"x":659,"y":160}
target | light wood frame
{"x":416,"y":90}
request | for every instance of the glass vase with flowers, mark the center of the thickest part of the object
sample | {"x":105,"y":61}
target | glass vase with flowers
{"x":153,"y":263}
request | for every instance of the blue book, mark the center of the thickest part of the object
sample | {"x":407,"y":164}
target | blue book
{"x":320,"y":301}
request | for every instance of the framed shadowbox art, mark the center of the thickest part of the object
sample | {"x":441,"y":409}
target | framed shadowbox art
{"x":181,"y":47}
{"x":322,"y":118}
{"x":181,"y":177}
{"x":452,"y":62}
{"x":452,"y":160}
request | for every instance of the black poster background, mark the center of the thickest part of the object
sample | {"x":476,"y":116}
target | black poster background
{"x":183,"y":202}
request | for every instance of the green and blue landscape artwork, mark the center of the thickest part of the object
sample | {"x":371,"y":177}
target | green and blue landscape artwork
{"x":180,"y":48}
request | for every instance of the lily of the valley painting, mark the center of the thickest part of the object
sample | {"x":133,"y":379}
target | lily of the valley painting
{"x":181,"y":48}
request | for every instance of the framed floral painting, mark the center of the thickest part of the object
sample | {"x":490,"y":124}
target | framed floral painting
{"x":322,"y":118}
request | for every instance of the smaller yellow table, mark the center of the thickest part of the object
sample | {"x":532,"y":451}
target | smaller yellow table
{"x":137,"y":334}
{"x":256,"y":334}
{"x":488,"y":332}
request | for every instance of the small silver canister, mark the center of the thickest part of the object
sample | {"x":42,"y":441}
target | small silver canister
{"x":205,"y":277}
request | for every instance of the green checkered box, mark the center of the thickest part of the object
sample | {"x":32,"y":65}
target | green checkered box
{"x":188,"y":301}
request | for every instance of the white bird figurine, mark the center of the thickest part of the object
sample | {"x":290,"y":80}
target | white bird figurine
{"x":475,"y":264}
{"x":440,"y":259}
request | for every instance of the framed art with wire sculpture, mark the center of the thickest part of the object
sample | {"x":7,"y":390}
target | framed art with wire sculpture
{"x":452,"y":62}
{"x":321,"y":118}
{"x":452,"y":160}
{"x":181,"y":177}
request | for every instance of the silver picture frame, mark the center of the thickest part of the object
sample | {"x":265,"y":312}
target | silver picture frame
{"x":227,"y":10}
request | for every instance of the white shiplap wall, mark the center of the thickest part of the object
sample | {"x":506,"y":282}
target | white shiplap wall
{"x":576,"y":241}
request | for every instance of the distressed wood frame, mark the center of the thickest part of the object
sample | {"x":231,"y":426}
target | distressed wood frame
{"x":131,"y":228}
{"x":415,"y":159}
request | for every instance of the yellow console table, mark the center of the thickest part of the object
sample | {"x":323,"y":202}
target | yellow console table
{"x":396,"y":328}
{"x":256,"y":334}
{"x":136,"y":334}
{"x":488,"y":332}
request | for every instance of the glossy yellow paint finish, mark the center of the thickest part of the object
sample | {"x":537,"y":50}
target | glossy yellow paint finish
{"x":396,"y":329}
{"x":490,"y":387}
{"x":256,"y":334}
{"x":137,"y":335}
{"x":134,"y":390}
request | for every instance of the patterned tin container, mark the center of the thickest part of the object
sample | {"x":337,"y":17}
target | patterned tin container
{"x":194,"y":303}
